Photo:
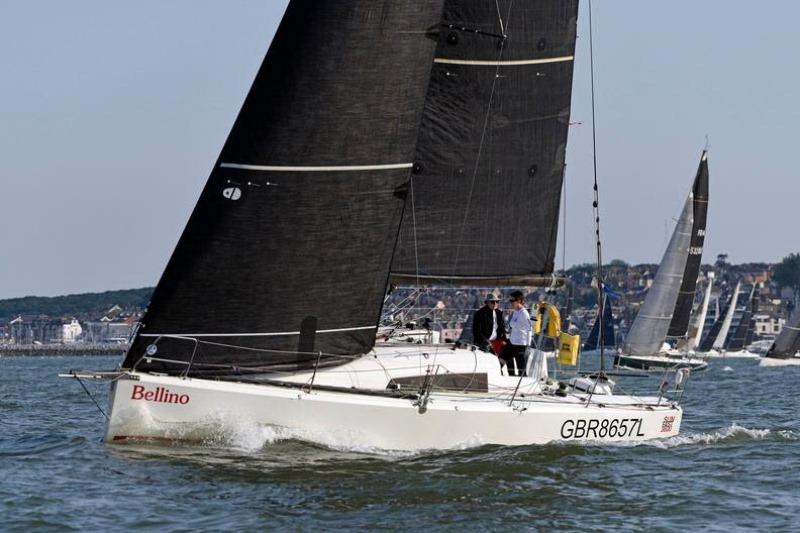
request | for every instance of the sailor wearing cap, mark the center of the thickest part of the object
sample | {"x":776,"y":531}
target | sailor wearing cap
{"x":488,"y":326}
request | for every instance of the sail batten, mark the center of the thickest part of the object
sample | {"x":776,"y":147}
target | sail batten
{"x":273,"y":269}
{"x":498,"y":63}
{"x":328,"y":168}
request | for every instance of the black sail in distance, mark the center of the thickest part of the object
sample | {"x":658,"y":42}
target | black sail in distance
{"x":738,"y":338}
{"x":487,"y":179}
{"x":787,"y":343}
{"x":285,"y":259}
{"x":683,"y":307}
{"x":708,"y":341}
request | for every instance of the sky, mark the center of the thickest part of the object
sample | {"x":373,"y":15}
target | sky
{"x":112,"y":114}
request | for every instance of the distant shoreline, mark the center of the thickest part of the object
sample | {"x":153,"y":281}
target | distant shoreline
{"x":33,"y":350}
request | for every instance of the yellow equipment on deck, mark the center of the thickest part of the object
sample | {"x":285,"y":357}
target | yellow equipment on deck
{"x":569,"y":346}
{"x":553,"y":320}
{"x":568,"y":349}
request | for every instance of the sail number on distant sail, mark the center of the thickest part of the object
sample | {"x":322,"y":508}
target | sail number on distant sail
{"x":600,"y":429}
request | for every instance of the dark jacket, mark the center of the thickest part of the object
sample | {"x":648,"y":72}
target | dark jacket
{"x":482,"y":326}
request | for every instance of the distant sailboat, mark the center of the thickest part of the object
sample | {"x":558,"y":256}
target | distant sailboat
{"x":667,"y":304}
{"x":707,"y":344}
{"x":785,"y":351}
{"x":369,"y":120}
{"x":696,"y":330}
{"x":679,"y":324}
{"x":738,"y":338}
{"x":591,"y":347}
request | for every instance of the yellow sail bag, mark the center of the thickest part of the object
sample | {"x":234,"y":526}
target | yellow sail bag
{"x":568,"y":349}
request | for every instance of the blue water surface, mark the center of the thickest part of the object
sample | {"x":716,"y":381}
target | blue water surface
{"x":736,"y":465}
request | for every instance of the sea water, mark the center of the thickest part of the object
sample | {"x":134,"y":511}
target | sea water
{"x":735,"y":465}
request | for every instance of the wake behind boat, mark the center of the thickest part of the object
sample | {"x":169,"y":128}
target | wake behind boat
{"x":269,"y":306}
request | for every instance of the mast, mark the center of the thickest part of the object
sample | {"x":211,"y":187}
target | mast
{"x":683,"y":307}
{"x":719,"y":341}
{"x":284,"y":261}
{"x":649,"y":328}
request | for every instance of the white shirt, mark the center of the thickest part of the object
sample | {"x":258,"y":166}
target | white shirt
{"x":520,"y":324}
{"x":493,"y":336}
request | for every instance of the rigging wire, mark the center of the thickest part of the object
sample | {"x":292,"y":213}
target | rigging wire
{"x":596,"y":213}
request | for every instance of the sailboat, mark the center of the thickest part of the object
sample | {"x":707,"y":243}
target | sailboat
{"x":721,"y":336}
{"x":735,"y":344}
{"x":668,"y":302}
{"x":713,"y":336}
{"x":590,"y":347}
{"x":695,"y":333}
{"x":370,"y":120}
{"x":785,"y":351}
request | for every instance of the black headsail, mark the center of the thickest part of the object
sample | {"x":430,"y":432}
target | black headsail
{"x":487,"y":175}
{"x":683,"y":307}
{"x":286,"y":256}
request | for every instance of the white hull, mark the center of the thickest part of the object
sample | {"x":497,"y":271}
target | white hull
{"x":199,"y":409}
{"x":739,"y":354}
{"x":777,"y":361}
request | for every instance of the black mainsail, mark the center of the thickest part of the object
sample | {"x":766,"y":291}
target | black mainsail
{"x":285,"y":259}
{"x":683,"y":307}
{"x":487,"y":176}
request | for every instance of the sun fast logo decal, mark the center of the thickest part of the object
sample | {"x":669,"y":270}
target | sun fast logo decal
{"x":666,"y":424}
{"x":232,"y":193}
{"x":159,"y":395}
